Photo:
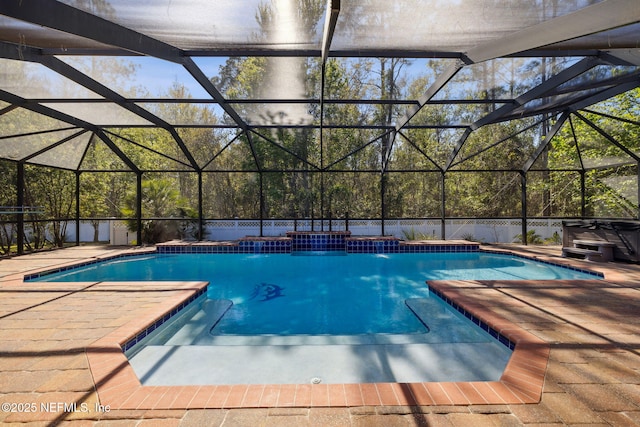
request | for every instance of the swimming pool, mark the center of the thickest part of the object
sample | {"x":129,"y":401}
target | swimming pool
{"x":339,"y":294}
{"x":342,"y":318}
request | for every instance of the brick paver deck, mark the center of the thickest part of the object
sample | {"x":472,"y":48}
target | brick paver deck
{"x":577,"y":359}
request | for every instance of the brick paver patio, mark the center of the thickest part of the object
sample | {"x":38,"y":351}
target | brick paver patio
{"x":579,"y":344}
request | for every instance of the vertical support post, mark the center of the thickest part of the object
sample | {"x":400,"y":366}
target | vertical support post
{"x":261,"y":203}
{"x":583,"y":191}
{"x":200,"y":208}
{"x":322,"y":203}
{"x":383,"y":185}
{"x":139,"y":208}
{"x":443,"y":206}
{"x":322,"y":86}
{"x":523,"y":181}
{"x":313,"y":218}
{"x":20,"y":205}
{"x":78,"y":208}
{"x":638,"y":189}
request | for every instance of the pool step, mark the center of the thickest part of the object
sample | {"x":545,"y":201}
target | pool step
{"x":591,"y":250}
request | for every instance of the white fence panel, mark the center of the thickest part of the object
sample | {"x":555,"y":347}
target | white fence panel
{"x":484,"y":230}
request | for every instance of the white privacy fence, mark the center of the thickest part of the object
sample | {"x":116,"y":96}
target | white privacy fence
{"x":483,"y":230}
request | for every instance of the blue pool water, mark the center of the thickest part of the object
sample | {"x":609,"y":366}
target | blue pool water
{"x":286,"y":318}
{"x":337,"y":295}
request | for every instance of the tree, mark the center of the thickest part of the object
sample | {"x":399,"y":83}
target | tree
{"x":160,"y":200}
{"x":54,"y":191}
{"x":7,"y":198}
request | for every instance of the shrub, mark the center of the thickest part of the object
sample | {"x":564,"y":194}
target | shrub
{"x":532,"y":237}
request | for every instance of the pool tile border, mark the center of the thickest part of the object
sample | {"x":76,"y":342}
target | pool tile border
{"x":282,"y":245}
{"x":317,"y":241}
{"x":544,"y":261}
{"x":73,"y":265}
{"x":163,"y":319}
{"x":118,"y":386}
{"x":502,"y":339}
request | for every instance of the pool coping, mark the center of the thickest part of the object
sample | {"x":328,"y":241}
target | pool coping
{"x":591,"y":326}
{"x":118,"y":386}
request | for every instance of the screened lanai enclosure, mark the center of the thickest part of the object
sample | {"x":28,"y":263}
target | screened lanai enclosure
{"x":191,"y":118}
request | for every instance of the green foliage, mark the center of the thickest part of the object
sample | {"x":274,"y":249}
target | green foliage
{"x":7,"y":198}
{"x":160,"y":201}
{"x":533,"y":238}
{"x":555,"y":239}
{"x":412,"y":234}
{"x":54,"y":191}
{"x":468,"y":237}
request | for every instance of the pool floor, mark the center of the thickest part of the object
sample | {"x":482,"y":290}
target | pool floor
{"x":183,"y":351}
{"x":119,"y":386}
{"x":328,"y":364}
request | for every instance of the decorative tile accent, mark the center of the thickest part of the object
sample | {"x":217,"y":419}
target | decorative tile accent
{"x":543,"y":261}
{"x":162,"y":320}
{"x":308,"y":241}
{"x":390,"y":244}
{"x":373,"y":245}
{"x":247,"y":245}
{"x":438,"y":248}
{"x":318,"y":241}
{"x":483,"y":325}
{"x":37,"y":275}
{"x":265,"y":245}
